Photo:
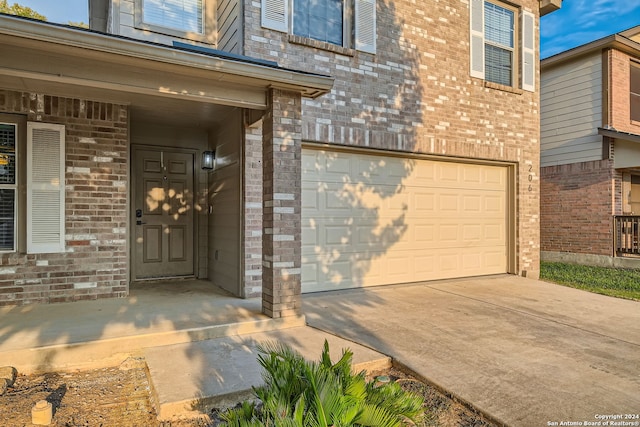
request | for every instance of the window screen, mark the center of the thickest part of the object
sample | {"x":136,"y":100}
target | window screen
{"x":183,"y":15}
{"x":499,"y":27}
{"x":319,"y":20}
{"x":7,"y":186}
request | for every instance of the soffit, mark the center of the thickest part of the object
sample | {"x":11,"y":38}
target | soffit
{"x":158,"y":82}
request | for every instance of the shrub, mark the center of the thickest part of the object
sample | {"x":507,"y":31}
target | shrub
{"x":300,"y":393}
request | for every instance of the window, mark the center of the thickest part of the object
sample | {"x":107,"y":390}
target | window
{"x":190,"y":19}
{"x":329,"y":21}
{"x":183,"y":15}
{"x":496,"y":41}
{"x":499,"y":29}
{"x":319,"y":20}
{"x":634,"y":89}
{"x":31,"y":186}
{"x":8,"y":186}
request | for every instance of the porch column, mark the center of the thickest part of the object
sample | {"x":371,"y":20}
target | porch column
{"x":281,"y":237}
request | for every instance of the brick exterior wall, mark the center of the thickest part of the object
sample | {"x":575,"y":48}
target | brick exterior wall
{"x":252,"y":193}
{"x":281,"y":241}
{"x":577,"y":208}
{"x":620,"y":99}
{"x":416,"y":95}
{"x":94,"y":264}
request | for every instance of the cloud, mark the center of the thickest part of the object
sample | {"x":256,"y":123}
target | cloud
{"x":582,"y":21}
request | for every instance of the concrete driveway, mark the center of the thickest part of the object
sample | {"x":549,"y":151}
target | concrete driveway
{"x":525,"y":352}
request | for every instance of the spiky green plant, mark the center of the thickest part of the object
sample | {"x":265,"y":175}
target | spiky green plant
{"x":301,"y":393}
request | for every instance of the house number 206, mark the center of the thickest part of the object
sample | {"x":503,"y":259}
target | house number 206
{"x":530,"y":177}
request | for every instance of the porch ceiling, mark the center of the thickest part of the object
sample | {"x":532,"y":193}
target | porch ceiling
{"x":160,"y":83}
{"x":145,"y":108}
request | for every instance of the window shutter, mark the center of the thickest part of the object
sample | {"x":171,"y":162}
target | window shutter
{"x":275,"y":15}
{"x":45,"y":188}
{"x":476,"y":12}
{"x":528,"y":51}
{"x":365,"y":22}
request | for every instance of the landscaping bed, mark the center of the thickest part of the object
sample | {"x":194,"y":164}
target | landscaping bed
{"x":120,"y":396}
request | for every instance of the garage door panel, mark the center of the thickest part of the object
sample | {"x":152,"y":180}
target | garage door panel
{"x":425,"y":265}
{"x":310,"y":198}
{"x":448,"y":202}
{"x":399,"y":266}
{"x":448,"y":172}
{"x":472,"y":204}
{"x":310,"y":237}
{"x":495,"y":178}
{"x":424,"y":202}
{"x":371,"y":220}
{"x":472,"y":174}
{"x":494,"y":204}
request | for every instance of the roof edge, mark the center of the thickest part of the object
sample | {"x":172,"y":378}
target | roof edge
{"x":614,"y":133}
{"x":308,"y":84}
{"x":615,"y":41}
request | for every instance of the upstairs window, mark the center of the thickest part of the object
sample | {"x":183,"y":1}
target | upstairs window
{"x":349,"y":24}
{"x":316,"y":20}
{"x":502,"y":46}
{"x":182,"y":15}
{"x":187,"y":19}
{"x":499,"y":48}
{"x":634,"y":89}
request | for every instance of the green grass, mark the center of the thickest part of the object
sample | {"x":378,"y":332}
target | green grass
{"x":614,"y":282}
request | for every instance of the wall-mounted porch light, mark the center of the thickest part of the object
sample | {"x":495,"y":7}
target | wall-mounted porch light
{"x":208,"y":157}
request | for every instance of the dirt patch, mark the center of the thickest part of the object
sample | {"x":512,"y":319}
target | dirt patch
{"x":121,"y":397}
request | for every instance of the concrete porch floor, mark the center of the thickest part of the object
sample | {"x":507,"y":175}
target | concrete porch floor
{"x":88,"y":334}
{"x":199,"y":342}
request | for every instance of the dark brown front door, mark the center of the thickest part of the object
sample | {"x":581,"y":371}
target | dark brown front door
{"x":163,"y":213}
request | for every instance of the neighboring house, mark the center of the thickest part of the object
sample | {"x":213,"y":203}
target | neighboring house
{"x":356,"y":143}
{"x":590,"y":154}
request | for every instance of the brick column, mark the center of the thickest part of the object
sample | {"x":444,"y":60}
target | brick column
{"x":281,"y":238}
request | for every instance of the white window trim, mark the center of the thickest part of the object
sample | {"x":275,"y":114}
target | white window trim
{"x":210,"y":31}
{"x":278,"y":15}
{"x":522,"y":53}
{"x":14,"y":187}
{"x":346,"y":13}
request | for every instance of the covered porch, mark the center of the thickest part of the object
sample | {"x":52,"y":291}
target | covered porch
{"x":169,"y":105}
{"x":625,"y":149}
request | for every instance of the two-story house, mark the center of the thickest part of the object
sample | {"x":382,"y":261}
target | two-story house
{"x":590,"y":156}
{"x":271,"y":147}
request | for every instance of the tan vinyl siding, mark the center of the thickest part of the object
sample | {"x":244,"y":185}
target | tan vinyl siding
{"x":224,"y":198}
{"x":571,"y":112}
{"x":230,"y":26}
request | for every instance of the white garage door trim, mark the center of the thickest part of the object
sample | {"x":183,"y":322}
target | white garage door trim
{"x":373,"y":218}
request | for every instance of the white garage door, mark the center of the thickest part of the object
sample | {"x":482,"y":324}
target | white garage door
{"x":372,"y":220}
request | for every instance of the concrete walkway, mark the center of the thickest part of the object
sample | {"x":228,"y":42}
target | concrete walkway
{"x":527,"y":353}
{"x":199,"y":342}
{"x":190,"y":379}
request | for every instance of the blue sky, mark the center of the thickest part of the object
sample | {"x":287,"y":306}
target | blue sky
{"x":577,"y":23}
{"x":582,"y":21}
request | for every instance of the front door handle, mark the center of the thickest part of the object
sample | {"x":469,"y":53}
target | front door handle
{"x":139,"y":222}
